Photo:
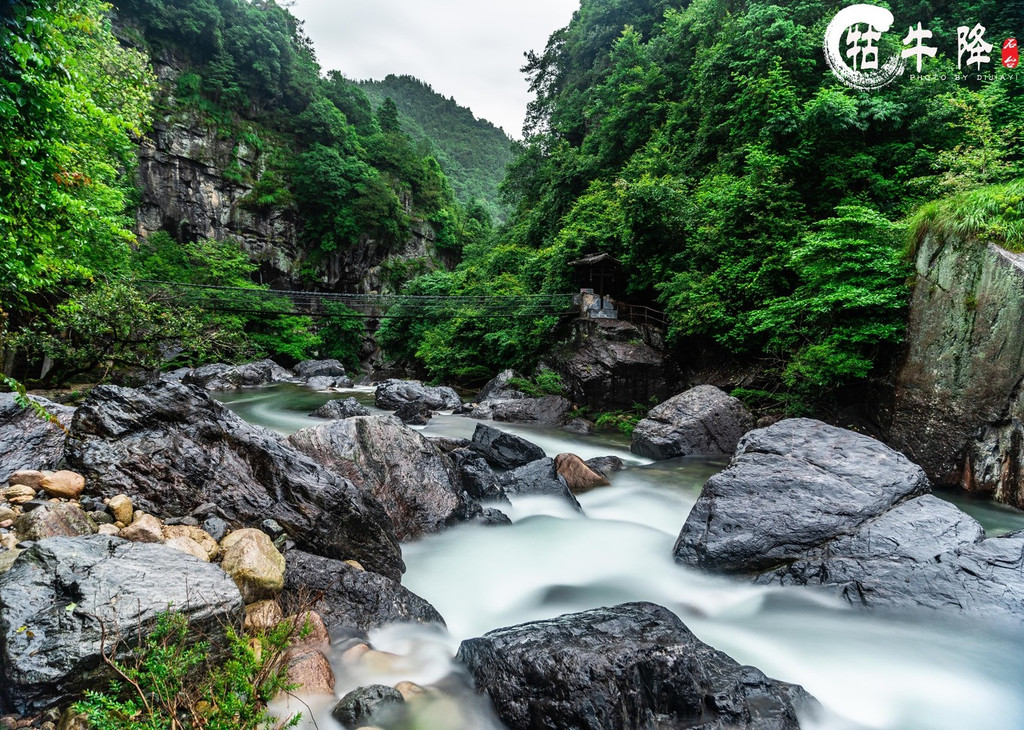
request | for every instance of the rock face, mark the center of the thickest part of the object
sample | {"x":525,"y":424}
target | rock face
{"x":341,"y":408}
{"x":26,"y":440}
{"x":406,"y":472}
{"x":959,"y":404}
{"x":393,"y":393}
{"x":504,"y":450}
{"x":609,"y":364}
{"x":69,"y":591}
{"x":702,"y":420}
{"x":219,"y":376}
{"x":809,"y":504}
{"x":172,"y":449}
{"x":353,"y":599}
{"x":633,"y":666}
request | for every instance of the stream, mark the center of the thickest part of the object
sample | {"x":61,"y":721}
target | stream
{"x":905,"y":670}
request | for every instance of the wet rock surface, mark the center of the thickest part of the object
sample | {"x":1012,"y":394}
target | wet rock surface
{"x":538,"y":478}
{"x":804,"y":503}
{"x":341,"y":408}
{"x":702,"y":420}
{"x":28,"y":441}
{"x":173,"y":450}
{"x":313,"y":368}
{"x":75,"y":595}
{"x":548,"y":410}
{"x":632,"y":666}
{"x":219,"y":376}
{"x":393,"y":393}
{"x":503,"y":450}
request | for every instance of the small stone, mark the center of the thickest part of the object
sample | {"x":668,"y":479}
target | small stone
{"x":27,"y":478}
{"x":188,"y":545}
{"x":6,"y":513}
{"x":121,"y":507}
{"x":108,"y":530}
{"x":272,"y":528}
{"x":408,"y":690}
{"x":101,"y":517}
{"x":9,"y":541}
{"x":70,"y":720}
{"x":380,"y":661}
{"x":309,"y":628}
{"x":18,"y":493}
{"x":376,"y":701}
{"x":145,"y":528}
{"x":187,"y":520}
{"x":4,"y":524}
{"x":7,"y":558}
{"x":53,"y":520}
{"x":309,"y":670}
{"x":256,"y":566}
{"x":67,"y":484}
{"x":578,"y":476}
{"x":215,"y":527}
{"x":354,"y":654}
{"x":262,"y":616}
{"x":355,"y":564}
{"x":199,"y":535}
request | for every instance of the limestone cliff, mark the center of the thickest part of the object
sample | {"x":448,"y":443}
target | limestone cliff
{"x":958,"y":407}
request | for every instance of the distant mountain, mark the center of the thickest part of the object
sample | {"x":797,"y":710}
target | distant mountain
{"x":472,"y":152}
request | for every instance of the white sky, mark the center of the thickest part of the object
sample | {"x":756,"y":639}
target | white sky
{"x":468,"y":49}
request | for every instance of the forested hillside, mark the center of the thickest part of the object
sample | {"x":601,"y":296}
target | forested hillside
{"x":747,"y":191}
{"x":472,"y":152}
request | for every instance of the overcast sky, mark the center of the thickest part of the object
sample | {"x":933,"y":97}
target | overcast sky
{"x":469,"y":49}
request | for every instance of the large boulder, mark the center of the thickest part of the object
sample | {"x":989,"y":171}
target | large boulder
{"x":504,"y":450}
{"x":28,"y":441}
{"x":314,"y":368}
{"x":548,"y":410}
{"x":477,"y":477}
{"x":67,"y":599}
{"x":632,"y":666}
{"x":500,"y":387}
{"x":393,"y":393}
{"x":538,"y":478}
{"x":702,"y":420}
{"x":350,"y":599}
{"x":810,"y":504}
{"x":406,"y":472}
{"x":173,"y":449}
{"x":341,"y":408}
{"x":219,"y":376}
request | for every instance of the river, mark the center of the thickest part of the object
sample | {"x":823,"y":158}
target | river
{"x":909,"y":670}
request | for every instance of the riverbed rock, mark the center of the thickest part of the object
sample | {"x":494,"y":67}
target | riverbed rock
{"x":314,"y":368}
{"x":328,"y":382}
{"x":605,"y":465}
{"x":406,"y":472}
{"x":413,"y":414}
{"x":53,"y":520}
{"x":144,"y":528}
{"x":500,"y":387}
{"x":27,"y":478}
{"x":219,"y":376}
{"x":68,"y":592}
{"x":28,"y":441}
{"x":504,"y":450}
{"x":252,"y":561}
{"x":121,"y":507}
{"x":351,"y":599}
{"x":341,"y":408}
{"x":702,"y":420}
{"x":63,"y":483}
{"x":393,"y":393}
{"x":804,"y":503}
{"x":630,"y":666}
{"x":375,"y":703}
{"x":476,"y":476}
{"x":578,"y":475}
{"x":173,"y":449}
{"x":548,"y":410}
{"x":538,"y":478}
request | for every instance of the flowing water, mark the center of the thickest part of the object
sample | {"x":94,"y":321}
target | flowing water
{"x":894,"y":670}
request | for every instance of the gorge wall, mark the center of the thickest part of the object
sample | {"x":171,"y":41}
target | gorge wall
{"x":959,"y":406}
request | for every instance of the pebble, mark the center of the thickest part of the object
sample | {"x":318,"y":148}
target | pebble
{"x":121,"y":508}
{"x":63,"y":483}
{"x":26,"y":477}
{"x":18,"y":493}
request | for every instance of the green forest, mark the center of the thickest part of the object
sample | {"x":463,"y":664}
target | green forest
{"x":766,"y":207}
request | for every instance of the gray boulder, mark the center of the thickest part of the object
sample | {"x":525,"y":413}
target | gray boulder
{"x":28,"y":441}
{"x":219,"y":376}
{"x":406,"y":472}
{"x":313,"y":368}
{"x":413,"y":414}
{"x":350,"y":599}
{"x":374,"y":703}
{"x":67,"y":599}
{"x":702,"y":420}
{"x":504,"y":450}
{"x":500,"y":388}
{"x":171,"y":448}
{"x":632,"y":666}
{"x":804,"y":503}
{"x":549,"y":410}
{"x":538,"y":478}
{"x":327,"y":382}
{"x":341,"y":408}
{"x":476,"y":476}
{"x":393,"y":393}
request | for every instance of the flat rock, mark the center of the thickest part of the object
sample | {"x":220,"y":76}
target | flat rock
{"x":173,"y":449}
{"x":504,"y":450}
{"x":341,"y":408}
{"x":406,"y":472}
{"x":632,"y":666}
{"x":702,"y":420}
{"x":351,"y":599}
{"x":71,"y":593}
{"x":393,"y":393}
{"x":28,"y":441}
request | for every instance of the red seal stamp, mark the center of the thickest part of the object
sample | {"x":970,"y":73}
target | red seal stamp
{"x":1011,"y":54}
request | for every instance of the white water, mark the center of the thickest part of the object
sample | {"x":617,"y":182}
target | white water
{"x":898,"y":671}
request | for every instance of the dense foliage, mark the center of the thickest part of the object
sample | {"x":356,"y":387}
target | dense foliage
{"x":472,"y":152}
{"x":747,"y":191}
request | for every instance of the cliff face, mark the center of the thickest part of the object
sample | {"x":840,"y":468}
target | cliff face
{"x":958,"y":408}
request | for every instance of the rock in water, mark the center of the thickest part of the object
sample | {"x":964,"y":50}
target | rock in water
{"x":578,"y":475}
{"x":64,"y":593}
{"x":702,"y":420}
{"x":318,"y":368}
{"x":406,"y":472}
{"x":171,"y":448}
{"x":538,"y":478}
{"x":500,"y":387}
{"x":352,"y":599}
{"x":504,"y":450}
{"x":393,"y":393}
{"x":804,"y":503}
{"x":219,"y":376}
{"x":341,"y":408}
{"x":632,"y":666}
{"x":548,"y":410}
{"x":373,"y":703}
{"x":28,"y":441}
